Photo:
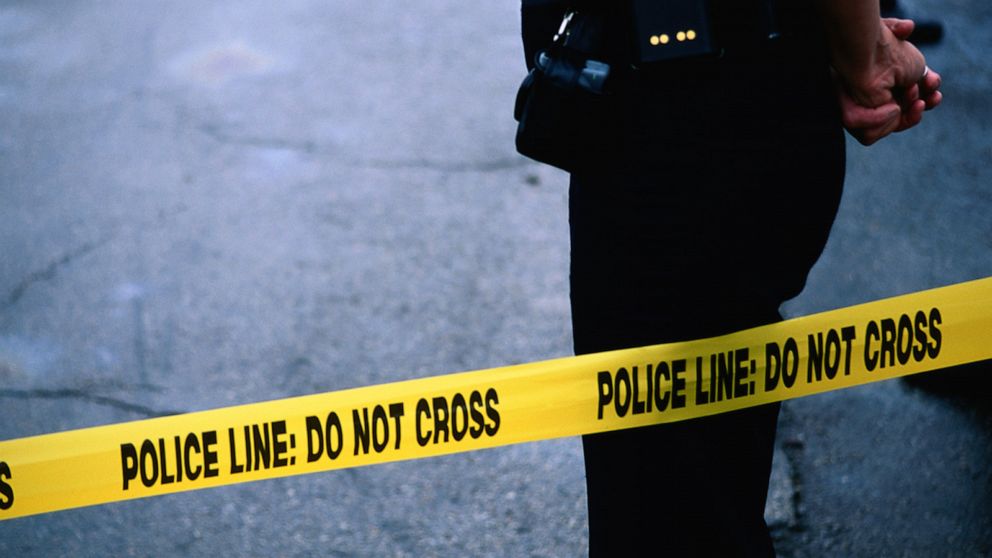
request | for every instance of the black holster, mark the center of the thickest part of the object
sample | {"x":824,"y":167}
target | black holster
{"x":564,"y":107}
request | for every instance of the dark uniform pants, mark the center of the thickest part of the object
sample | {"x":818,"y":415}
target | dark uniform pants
{"x":710,"y":215}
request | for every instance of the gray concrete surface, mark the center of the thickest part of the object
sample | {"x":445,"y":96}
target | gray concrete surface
{"x":212,"y":203}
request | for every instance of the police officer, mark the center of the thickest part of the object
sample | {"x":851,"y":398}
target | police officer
{"x":716,"y":202}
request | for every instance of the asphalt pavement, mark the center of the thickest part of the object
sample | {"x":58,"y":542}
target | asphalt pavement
{"x":212,"y":203}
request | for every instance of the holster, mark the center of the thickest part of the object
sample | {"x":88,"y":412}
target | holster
{"x":564,"y":106}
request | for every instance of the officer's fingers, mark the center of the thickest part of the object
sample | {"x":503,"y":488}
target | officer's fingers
{"x":857,"y":117}
{"x":929,"y":85}
{"x":869,"y":136}
{"x":868,"y":125}
{"x":901,"y":28}
{"x":912,"y":115}
{"x":933,"y":100}
{"x":910,"y":95}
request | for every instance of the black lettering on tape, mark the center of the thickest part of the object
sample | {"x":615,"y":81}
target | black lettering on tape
{"x":184,"y":459}
{"x":741,"y":372}
{"x":210,"y":457}
{"x":424,"y":412}
{"x":665,"y":385}
{"x":904,"y":340}
{"x":678,"y":384}
{"x":459,"y":426}
{"x":492,"y":399}
{"x":661,"y":396}
{"x":439,"y":421}
{"x":888,"y":341}
{"x":315,"y":439}
{"x":871,"y":355}
{"x":6,"y":490}
{"x":723,"y":364}
{"x":129,"y":464}
{"x":478,"y":419}
{"x":380,"y":425}
{"x":361,"y":426}
{"x":178,"y":444}
{"x":847,"y":335}
{"x":332,"y":431}
{"x":728,"y":376}
{"x":933,"y":349}
{"x":621,"y":399}
{"x":323,"y":436}
{"x":814,"y":365}
{"x":605,"y":390}
{"x":790,"y":355}
{"x":827,"y":352}
{"x":192,"y":443}
{"x":773,"y":366}
{"x":702,"y":395}
{"x":280,"y":446}
{"x":396,"y":412}
{"x":265,"y":446}
{"x":375,"y":433}
{"x":831,"y":354}
{"x":261,"y":446}
{"x":440,"y":418}
{"x":236,"y":467}
{"x":639,"y":404}
{"x":920,"y":336}
{"x":166,"y":477}
{"x":146,"y":455}
{"x":648,"y":397}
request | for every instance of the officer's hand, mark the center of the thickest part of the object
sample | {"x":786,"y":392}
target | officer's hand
{"x":896,"y":102}
{"x":929,"y":85}
{"x":893,"y":66}
{"x":870,"y":124}
{"x":867,"y":124}
{"x":901,"y":28}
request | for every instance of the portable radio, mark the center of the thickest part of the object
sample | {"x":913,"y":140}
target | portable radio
{"x":670,"y":29}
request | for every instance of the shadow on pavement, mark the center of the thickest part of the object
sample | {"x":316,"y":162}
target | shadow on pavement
{"x":968,"y":387}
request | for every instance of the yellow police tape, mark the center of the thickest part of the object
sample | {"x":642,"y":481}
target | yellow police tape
{"x":468,"y":411}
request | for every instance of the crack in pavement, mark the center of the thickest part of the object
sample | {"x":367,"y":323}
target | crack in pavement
{"x":447,"y":166}
{"x":217,"y":134}
{"x":48,"y":272}
{"x":309,"y":147}
{"x":26,"y":394}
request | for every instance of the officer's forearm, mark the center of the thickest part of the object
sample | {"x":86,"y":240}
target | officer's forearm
{"x":854,"y":35}
{"x":872,"y":62}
